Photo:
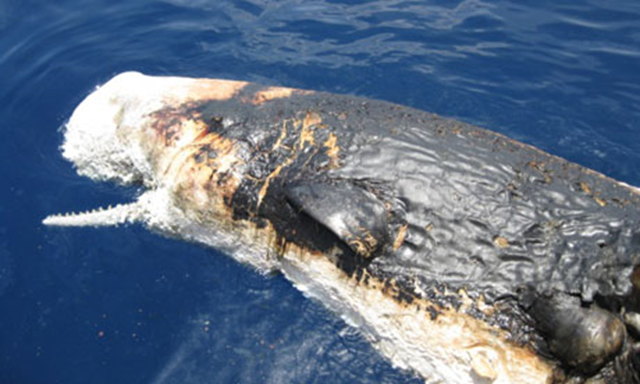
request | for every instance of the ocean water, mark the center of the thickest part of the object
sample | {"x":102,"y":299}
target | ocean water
{"x":122,"y":305}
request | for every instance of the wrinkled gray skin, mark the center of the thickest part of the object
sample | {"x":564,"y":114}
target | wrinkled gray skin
{"x":551,"y":244}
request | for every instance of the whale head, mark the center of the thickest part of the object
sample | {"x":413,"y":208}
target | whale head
{"x":148,"y":131}
{"x":109,"y":136}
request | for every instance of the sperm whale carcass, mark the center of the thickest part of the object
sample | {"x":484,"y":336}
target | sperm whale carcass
{"x":462,"y":255}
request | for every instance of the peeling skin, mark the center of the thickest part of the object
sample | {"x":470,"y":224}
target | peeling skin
{"x":462,"y":255}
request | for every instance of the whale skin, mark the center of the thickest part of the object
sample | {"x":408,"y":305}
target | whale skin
{"x":460,"y":254}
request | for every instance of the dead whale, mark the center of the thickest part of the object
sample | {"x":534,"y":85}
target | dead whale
{"x":462,"y":255}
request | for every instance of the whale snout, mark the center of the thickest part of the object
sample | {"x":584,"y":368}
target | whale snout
{"x":96,"y":140}
{"x":108,"y":136}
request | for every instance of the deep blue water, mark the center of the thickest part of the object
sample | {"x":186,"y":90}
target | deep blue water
{"x":122,"y":305}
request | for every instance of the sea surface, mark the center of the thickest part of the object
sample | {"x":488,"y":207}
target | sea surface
{"x":122,"y":305}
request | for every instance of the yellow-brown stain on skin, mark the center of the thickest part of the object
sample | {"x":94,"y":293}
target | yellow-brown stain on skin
{"x":402,"y":233}
{"x":363,"y":244}
{"x":265,"y":186}
{"x":267,"y":181}
{"x":595,"y":195}
{"x":333,"y":150}
{"x":370,"y":240}
{"x":306,"y":133}
{"x":501,"y":242}
{"x":283,"y":135}
{"x":273,"y":93}
{"x":212,"y":182}
{"x":600,"y":202}
{"x":180,"y":145}
{"x":359,"y":247}
{"x":306,"y":136}
{"x":540,"y":166}
{"x":214,"y":89}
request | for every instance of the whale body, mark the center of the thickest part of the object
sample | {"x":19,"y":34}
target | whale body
{"x":460,"y":254}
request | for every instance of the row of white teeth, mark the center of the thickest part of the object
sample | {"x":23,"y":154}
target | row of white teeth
{"x":119,"y":214}
{"x":96,"y":210}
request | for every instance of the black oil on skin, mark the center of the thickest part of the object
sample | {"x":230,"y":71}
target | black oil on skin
{"x":548,"y":243}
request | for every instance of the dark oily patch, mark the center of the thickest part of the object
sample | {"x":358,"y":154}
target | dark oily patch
{"x":355,"y":215}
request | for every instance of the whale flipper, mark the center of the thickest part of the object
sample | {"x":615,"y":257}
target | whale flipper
{"x":355,"y":215}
